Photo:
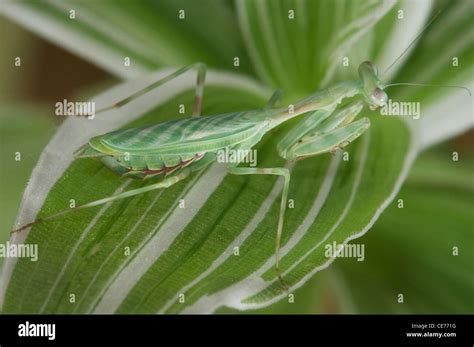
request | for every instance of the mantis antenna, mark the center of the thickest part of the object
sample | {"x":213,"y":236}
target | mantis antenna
{"x":429,"y":85}
{"x":406,"y":50}
{"x":412,"y":42}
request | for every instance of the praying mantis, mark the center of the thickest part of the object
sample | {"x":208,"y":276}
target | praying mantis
{"x":170,"y":151}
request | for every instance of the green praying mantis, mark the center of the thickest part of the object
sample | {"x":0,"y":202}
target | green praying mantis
{"x":170,"y":151}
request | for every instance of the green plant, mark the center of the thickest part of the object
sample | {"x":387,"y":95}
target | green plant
{"x":141,"y":254}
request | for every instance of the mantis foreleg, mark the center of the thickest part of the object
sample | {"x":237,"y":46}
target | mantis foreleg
{"x":310,"y":121}
{"x":320,"y":133}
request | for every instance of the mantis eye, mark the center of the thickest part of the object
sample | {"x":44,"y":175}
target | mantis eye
{"x":379,"y":97}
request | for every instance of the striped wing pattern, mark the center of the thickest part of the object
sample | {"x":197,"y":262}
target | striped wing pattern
{"x":184,"y":135}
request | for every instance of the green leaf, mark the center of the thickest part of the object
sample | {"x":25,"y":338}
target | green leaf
{"x":31,"y":125}
{"x":139,"y":255}
{"x":409,"y":251}
{"x":149,"y":32}
{"x":445,"y":112}
{"x":191,"y":250}
{"x":305,"y":52}
{"x":451,"y":36}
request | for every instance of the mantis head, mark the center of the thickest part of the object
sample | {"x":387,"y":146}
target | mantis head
{"x":372,"y":88}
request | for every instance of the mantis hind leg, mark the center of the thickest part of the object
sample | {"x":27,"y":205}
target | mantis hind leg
{"x":283,"y":172}
{"x":165,"y":183}
{"x":201,"y":76}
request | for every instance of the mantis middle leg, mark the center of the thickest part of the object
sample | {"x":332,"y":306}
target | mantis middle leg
{"x":283,"y":172}
{"x":277,"y":94}
{"x":201,"y":76}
